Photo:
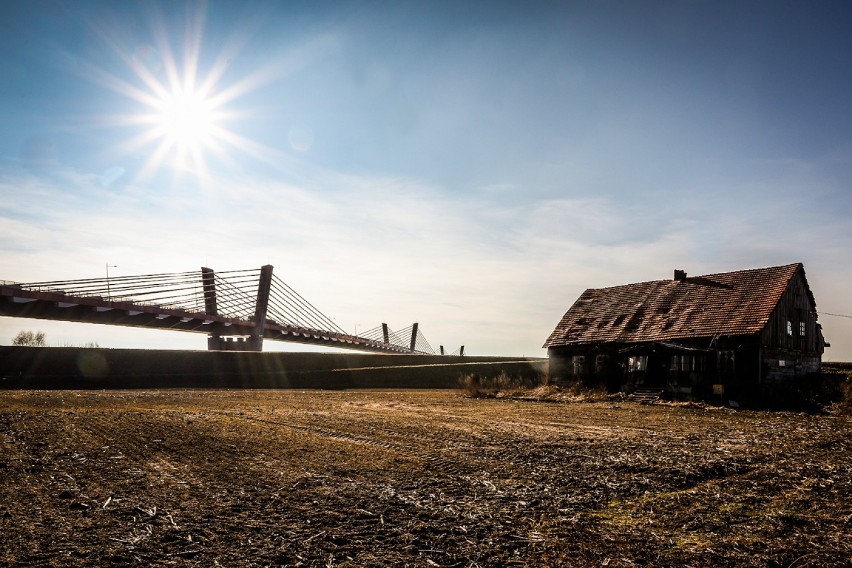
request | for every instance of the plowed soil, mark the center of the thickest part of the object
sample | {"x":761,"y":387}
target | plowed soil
{"x":415,"y":478}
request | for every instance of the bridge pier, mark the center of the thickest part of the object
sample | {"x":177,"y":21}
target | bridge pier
{"x":254,"y":342}
{"x":218,"y":343}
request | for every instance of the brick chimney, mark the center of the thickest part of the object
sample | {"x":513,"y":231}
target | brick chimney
{"x":679,"y":275}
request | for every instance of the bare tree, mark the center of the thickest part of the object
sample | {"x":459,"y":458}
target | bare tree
{"x":29,"y":338}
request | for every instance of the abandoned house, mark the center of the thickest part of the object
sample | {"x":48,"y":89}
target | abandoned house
{"x":734,"y":335}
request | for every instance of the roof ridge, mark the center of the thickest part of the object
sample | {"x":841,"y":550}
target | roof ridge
{"x":665,"y":280}
{"x":791,"y":265}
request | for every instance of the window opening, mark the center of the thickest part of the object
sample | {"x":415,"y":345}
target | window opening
{"x":600,"y":364}
{"x":726,"y":363}
{"x":579,"y":362}
{"x":637,"y":363}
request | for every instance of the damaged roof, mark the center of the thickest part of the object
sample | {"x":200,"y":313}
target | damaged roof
{"x":731,"y":303}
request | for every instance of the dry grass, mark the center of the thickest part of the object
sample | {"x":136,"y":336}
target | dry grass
{"x":838,"y":381}
{"x":842,"y":404}
{"x":537,"y":388}
{"x":499,"y":386}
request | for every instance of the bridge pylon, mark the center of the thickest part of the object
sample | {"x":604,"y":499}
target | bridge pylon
{"x":264,"y":284}
{"x":413,"y":337}
{"x":208,"y":285}
{"x":254,"y":342}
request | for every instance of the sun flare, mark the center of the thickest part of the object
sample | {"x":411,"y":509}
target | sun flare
{"x":185,"y":110}
{"x":185,"y":119}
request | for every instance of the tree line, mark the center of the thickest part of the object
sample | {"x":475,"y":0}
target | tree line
{"x":27,"y":338}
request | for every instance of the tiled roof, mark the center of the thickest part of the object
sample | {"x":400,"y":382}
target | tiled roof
{"x":731,"y":303}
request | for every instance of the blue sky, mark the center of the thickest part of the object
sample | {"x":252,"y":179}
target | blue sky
{"x":472,"y":166}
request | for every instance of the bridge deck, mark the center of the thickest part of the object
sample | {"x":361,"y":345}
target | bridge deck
{"x":19,"y":301}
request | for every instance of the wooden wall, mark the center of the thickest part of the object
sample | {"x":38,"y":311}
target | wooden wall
{"x":792,"y":343}
{"x":797,"y":307}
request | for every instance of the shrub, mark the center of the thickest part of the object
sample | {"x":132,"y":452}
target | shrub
{"x":479,"y":386}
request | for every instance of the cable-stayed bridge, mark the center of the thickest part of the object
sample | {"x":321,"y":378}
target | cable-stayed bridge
{"x":237,"y":309}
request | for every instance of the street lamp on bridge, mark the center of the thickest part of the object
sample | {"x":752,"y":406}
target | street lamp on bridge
{"x":108,"y":266}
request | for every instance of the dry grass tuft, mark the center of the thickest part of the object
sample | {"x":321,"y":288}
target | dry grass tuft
{"x":535,"y":388}
{"x":502,"y":385}
{"x":843,"y":403}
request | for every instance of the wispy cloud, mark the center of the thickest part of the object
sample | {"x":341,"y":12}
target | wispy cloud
{"x":368,"y":249}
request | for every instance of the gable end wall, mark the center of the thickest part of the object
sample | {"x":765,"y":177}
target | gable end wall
{"x":786,"y":353}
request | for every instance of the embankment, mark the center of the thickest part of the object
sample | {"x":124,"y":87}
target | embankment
{"x":79,"y":368}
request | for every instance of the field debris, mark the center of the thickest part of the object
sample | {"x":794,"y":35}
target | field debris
{"x":417,"y":478}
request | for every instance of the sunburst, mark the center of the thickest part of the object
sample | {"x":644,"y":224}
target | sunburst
{"x":185,"y":108}
{"x":185,"y":119}
{"x":183,"y":112}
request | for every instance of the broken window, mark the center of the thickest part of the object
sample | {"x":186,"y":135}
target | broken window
{"x":637,"y":363}
{"x":676,"y":363}
{"x":687,"y":363}
{"x":600,"y":364}
{"x":726,"y":365}
{"x":579,"y":363}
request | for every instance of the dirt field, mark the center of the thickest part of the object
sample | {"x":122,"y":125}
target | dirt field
{"x":416,"y":478}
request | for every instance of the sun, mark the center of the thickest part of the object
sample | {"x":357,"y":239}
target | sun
{"x":185,"y":124}
{"x":185,"y":119}
{"x":182,"y":109}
